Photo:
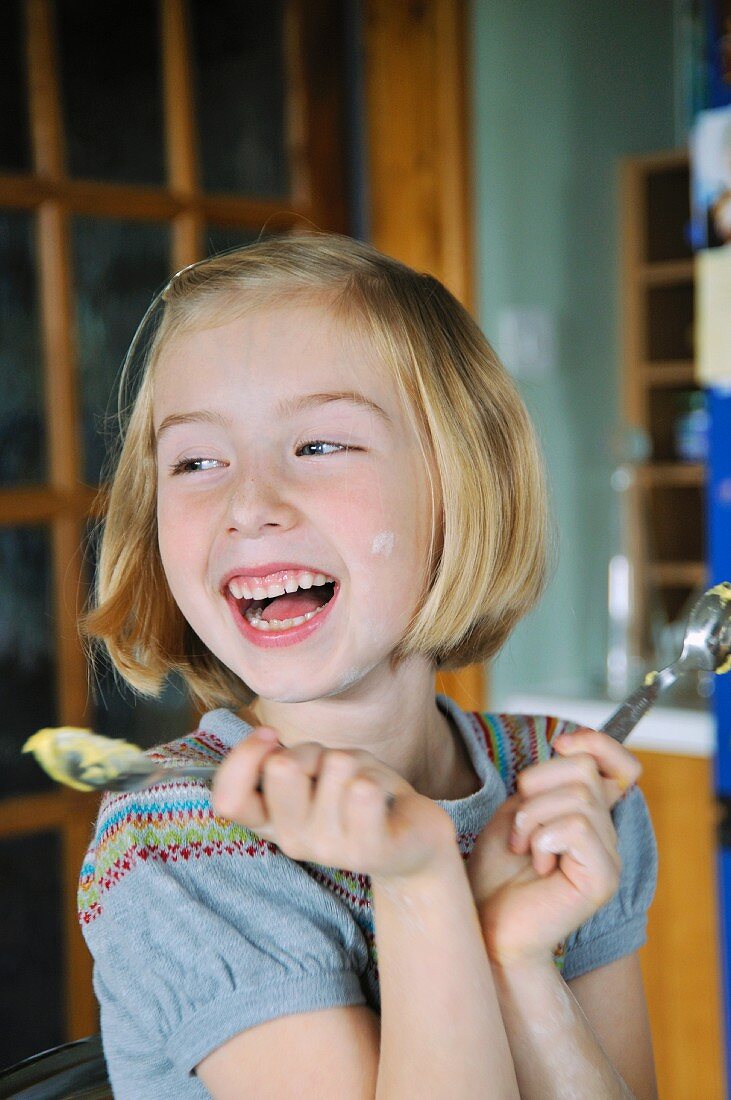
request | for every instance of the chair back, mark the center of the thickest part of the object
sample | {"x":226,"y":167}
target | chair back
{"x":73,"y":1071}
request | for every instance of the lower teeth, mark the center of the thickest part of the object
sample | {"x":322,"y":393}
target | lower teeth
{"x":278,"y":624}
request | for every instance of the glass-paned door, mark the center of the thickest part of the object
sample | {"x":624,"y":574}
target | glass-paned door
{"x":134,"y":140}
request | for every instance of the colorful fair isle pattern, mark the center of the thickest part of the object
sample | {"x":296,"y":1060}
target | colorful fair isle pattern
{"x":174,"y":821}
{"x":168,"y":822}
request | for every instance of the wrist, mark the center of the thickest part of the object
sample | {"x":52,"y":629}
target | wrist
{"x":507,"y":953}
{"x":444,"y":862}
{"x":509,"y":965}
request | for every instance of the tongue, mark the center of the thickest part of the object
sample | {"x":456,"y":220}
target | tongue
{"x":293,"y":604}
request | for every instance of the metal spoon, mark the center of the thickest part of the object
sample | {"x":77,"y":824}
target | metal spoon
{"x":706,"y":647}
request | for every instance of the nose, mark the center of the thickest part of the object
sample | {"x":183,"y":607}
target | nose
{"x":258,"y":500}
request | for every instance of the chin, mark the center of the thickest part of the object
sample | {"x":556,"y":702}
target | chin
{"x":347,"y":683}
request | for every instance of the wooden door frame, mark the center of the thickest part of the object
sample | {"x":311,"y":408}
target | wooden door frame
{"x":420,"y":180}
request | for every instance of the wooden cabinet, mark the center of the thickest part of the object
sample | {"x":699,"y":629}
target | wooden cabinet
{"x":666,"y":500}
{"x":681,"y":959}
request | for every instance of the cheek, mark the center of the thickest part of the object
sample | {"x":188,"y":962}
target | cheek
{"x":177,"y":538}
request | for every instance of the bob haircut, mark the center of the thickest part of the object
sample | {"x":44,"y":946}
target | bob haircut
{"x":486,"y":566}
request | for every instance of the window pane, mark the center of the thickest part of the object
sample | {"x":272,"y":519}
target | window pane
{"x":31,"y":946}
{"x":117,"y":710}
{"x":240,"y":95}
{"x":109,"y":59}
{"x":14,"y":142}
{"x":27,"y":655}
{"x":119,"y":266}
{"x":22,"y":431}
{"x":220,"y":239}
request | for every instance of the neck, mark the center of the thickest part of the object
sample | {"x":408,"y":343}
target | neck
{"x":393,"y":716}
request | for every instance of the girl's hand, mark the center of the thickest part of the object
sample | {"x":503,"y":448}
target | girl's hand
{"x":548,"y":859}
{"x":340,"y":808}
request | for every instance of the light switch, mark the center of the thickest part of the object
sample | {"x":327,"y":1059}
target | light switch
{"x":527,"y":342}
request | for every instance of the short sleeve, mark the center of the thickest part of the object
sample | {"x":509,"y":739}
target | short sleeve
{"x":620,"y":927}
{"x":192,"y":946}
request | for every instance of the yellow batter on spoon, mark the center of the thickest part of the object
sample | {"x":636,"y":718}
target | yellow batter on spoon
{"x":723,"y":590}
{"x":66,"y":753}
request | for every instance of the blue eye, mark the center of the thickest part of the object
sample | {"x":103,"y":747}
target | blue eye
{"x":191,"y":465}
{"x":322,"y":443}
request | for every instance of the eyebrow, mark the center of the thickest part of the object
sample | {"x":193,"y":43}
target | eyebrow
{"x":287,"y":408}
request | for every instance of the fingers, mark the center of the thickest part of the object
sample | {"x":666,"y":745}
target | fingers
{"x":287,"y":797}
{"x":566,"y":801}
{"x":586,"y":756}
{"x":365,"y":809}
{"x":570,"y":799}
{"x":618,"y":768}
{"x":304,"y":799}
{"x":234,"y":790}
{"x":338,"y":768}
{"x":587,"y":862}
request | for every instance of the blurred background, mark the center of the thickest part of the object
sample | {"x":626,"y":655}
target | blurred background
{"x":535,"y":157}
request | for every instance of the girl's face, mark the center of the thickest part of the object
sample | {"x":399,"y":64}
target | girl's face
{"x":262,"y":480}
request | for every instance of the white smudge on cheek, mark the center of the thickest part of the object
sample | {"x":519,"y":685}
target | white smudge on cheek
{"x":383,"y":543}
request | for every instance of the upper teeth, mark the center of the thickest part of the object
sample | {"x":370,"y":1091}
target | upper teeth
{"x":240,"y":590}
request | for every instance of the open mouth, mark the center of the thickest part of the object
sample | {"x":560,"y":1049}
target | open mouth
{"x":289,"y":609}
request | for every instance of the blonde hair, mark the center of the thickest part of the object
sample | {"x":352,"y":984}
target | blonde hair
{"x":486,"y":566}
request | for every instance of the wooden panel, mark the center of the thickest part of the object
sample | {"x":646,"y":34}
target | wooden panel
{"x":420,"y":178}
{"x":467,"y":686}
{"x":179,"y":122}
{"x":667,"y":273}
{"x":672,"y":473}
{"x":669,"y":373}
{"x":45,"y":108}
{"x":317,"y":109}
{"x":420,"y":182}
{"x":680,"y":961}
{"x":22,"y":506}
{"x":182,"y":152}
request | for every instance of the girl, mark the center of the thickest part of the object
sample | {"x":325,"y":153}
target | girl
{"x":328,"y":490}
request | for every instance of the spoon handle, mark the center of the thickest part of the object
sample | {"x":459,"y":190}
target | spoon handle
{"x":620,"y":724}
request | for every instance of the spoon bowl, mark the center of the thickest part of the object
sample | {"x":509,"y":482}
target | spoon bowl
{"x":707,"y":642}
{"x":706,"y":648}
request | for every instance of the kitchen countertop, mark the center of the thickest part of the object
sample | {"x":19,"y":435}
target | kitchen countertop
{"x":663,"y":729}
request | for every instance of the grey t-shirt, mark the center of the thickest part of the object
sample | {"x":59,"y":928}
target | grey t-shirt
{"x":201,"y":929}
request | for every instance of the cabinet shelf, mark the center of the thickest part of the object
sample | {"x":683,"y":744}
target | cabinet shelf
{"x":670,"y":474}
{"x":679,"y":574}
{"x":673,"y":372}
{"x":667,"y":272}
{"x":665,"y":510}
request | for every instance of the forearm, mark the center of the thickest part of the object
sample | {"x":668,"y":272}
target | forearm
{"x":555,"y":1052}
{"x":441,"y":1029}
